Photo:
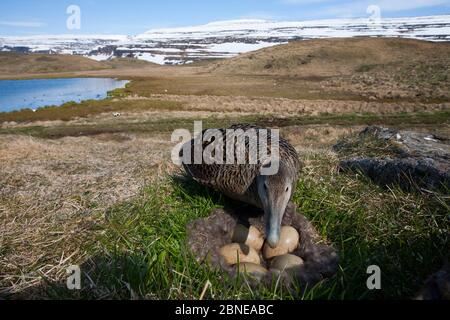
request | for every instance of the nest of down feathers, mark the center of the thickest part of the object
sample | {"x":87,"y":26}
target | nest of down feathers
{"x":206,"y":237}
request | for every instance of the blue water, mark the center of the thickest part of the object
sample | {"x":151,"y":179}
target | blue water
{"x":33,"y":94}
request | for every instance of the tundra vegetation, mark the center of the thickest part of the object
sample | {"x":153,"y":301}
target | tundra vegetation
{"x":79,"y":186}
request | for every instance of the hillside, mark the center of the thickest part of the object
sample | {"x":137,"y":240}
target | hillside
{"x":16,"y":63}
{"x":384,"y":68}
{"x":126,"y":63}
{"x":332,"y":57}
{"x":23,"y":64}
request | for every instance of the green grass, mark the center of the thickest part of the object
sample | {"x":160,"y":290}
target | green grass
{"x":170,"y":124}
{"x":397,"y":119}
{"x":405,"y":234}
{"x":72,"y":110}
{"x":366,"y":67}
{"x":142,"y":250}
{"x":150,"y":126}
{"x":367,"y":146}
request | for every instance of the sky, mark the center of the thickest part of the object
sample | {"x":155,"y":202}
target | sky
{"x":131,"y":17}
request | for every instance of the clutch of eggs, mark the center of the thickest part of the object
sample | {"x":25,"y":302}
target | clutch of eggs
{"x":249,"y":242}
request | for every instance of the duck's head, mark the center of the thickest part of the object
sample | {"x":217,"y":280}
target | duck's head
{"x":275,"y":192}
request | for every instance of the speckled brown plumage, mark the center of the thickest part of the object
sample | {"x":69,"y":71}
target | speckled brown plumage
{"x":238,"y":181}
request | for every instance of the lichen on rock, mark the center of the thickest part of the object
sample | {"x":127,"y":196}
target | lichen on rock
{"x":409,"y":159}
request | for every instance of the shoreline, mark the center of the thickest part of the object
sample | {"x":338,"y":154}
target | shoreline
{"x":78,"y":102}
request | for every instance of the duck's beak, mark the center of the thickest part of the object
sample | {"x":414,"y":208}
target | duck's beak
{"x":273,"y":229}
{"x":274,"y":217}
{"x":273,"y":222}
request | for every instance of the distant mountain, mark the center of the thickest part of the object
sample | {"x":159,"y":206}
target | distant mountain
{"x":225,"y":39}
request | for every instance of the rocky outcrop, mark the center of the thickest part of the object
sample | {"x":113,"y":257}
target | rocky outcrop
{"x":414,"y":161}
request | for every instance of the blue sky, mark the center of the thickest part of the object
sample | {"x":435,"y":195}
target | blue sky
{"x":31,"y":17}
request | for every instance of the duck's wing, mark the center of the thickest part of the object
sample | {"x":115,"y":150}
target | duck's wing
{"x":230,"y":178}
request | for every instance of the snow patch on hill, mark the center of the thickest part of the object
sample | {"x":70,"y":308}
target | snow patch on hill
{"x":224,"y":39}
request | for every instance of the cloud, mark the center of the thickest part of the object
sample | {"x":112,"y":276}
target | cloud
{"x":22,"y":24}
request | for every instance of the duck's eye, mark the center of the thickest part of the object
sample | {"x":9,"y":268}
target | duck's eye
{"x":287,"y":189}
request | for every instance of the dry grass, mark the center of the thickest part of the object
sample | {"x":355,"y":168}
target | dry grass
{"x":53,"y":195}
{"x":374,"y":69}
{"x":13,"y":63}
{"x":135,"y":106}
{"x":294,"y":107}
{"x":332,"y":57}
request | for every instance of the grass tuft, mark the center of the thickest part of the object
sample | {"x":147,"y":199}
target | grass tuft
{"x":142,"y":251}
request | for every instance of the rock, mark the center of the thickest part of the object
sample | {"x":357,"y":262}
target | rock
{"x":418,"y":160}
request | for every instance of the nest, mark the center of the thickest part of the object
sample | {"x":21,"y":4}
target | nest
{"x":206,"y":237}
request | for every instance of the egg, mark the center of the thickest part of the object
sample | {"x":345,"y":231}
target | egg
{"x":276,"y":274}
{"x":239,"y":253}
{"x":249,"y":236}
{"x":289,"y":241}
{"x":288,"y":262}
{"x":255,"y":270}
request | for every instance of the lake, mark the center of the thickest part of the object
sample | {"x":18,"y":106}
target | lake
{"x":33,"y":94}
